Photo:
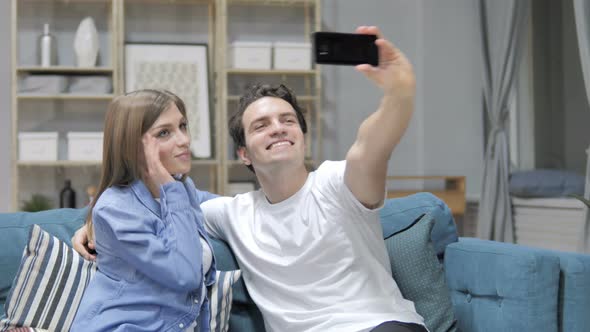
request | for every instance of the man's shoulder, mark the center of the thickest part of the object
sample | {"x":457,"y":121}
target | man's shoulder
{"x":330,"y":166}
{"x":226,"y":203}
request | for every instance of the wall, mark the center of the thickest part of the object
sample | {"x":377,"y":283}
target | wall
{"x":441,"y":39}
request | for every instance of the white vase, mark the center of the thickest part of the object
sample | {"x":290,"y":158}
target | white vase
{"x":86,"y":43}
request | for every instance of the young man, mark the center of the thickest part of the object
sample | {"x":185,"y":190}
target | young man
{"x":310,"y":245}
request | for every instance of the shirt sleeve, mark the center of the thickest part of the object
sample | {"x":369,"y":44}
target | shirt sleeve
{"x":167,"y":250}
{"x":330,"y":175}
{"x":214,"y":211}
{"x":204,"y":196}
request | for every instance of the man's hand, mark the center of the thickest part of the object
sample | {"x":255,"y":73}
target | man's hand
{"x":82,"y":245}
{"x":394,"y":74}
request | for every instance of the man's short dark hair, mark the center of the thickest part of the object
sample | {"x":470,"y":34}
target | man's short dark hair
{"x":252,"y":94}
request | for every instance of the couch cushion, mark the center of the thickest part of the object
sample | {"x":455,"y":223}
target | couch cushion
{"x":14,"y":232}
{"x":52,"y":277}
{"x":502,"y":287}
{"x":574,"y":290}
{"x":399,"y":213}
{"x":420,"y":275}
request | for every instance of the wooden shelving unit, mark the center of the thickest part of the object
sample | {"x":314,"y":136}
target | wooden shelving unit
{"x":309,"y":96}
{"x":113,"y":19}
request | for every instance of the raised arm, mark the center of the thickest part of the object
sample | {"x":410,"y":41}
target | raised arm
{"x":378,"y":135}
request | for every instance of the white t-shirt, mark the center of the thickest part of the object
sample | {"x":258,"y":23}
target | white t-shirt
{"x":314,"y":262}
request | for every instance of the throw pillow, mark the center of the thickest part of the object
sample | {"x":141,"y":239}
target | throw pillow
{"x":51,"y":280}
{"x":419,"y":274}
{"x":546,"y":183}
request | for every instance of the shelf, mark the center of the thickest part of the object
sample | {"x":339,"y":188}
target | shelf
{"x":236,"y":71}
{"x":172,"y":2}
{"x":65,"y":70}
{"x":272,"y":2}
{"x":71,"y":163}
{"x":235,"y":163}
{"x":63,"y":96}
{"x":236,"y":98}
{"x":205,"y":162}
{"x":58,"y":163}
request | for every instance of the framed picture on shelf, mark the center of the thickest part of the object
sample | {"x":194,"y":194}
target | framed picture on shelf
{"x":181,"y":69}
{"x":240,"y":187}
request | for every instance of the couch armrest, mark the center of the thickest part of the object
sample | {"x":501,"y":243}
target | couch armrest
{"x":502,"y":287}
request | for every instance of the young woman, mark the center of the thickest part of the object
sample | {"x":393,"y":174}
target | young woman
{"x":153,"y":255}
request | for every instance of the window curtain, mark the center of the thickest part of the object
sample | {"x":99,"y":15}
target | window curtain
{"x":582,"y":16}
{"x":503,"y":25}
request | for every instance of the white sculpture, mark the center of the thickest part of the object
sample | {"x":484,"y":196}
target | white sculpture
{"x":86,"y":43}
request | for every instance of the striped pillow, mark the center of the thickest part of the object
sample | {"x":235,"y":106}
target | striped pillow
{"x":220,"y":299}
{"x":48,"y":286}
{"x":52,"y":277}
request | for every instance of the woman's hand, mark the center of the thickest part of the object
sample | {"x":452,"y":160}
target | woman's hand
{"x":155,"y":174}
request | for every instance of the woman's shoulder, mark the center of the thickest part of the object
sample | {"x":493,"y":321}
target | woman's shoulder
{"x":116,"y":196}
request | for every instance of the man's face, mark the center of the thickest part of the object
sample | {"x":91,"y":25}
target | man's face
{"x":273,"y":135}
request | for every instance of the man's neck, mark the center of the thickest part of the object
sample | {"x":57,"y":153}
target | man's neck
{"x":282,"y":183}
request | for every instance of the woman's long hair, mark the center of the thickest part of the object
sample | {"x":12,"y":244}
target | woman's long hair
{"x":128,"y":117}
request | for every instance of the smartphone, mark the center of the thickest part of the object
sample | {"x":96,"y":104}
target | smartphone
{"x":337,"y":48}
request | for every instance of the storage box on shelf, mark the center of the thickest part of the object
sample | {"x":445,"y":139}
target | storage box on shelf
{"x":250,"y":55}
{"x":293,"y":56}
{"x":37,"y":146}
{"x":85,"y":146}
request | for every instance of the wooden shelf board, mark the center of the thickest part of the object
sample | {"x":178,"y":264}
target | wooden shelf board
{"x":71,"y":163}
{"x":58,"y":163}
{"x":64,"y":70}
{"x":236,"y":71}
{"x":204,"y":162}
{"x":63,"y":96}
{"x":235,"y":98}
{"x":271,"y":2}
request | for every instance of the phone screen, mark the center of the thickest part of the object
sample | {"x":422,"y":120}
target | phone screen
{"x":345,"y":48}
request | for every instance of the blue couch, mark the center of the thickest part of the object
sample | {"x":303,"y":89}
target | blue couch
{"x":493,"y":286}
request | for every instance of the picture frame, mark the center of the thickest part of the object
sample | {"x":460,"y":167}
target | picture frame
{"x":182,"y":69}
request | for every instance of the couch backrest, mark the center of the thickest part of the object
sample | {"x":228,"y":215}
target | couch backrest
{"x":396,"y":215}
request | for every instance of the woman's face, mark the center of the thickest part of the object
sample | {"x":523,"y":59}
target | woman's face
{"x":172,"y":137}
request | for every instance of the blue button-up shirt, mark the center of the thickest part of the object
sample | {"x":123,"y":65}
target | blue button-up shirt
{"x":149,"y":258}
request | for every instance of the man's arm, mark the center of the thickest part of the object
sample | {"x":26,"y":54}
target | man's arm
{"x":81,"y":244}
{"x":378,"y":135}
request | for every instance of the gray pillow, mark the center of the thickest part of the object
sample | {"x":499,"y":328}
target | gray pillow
{"x":546,"y":183}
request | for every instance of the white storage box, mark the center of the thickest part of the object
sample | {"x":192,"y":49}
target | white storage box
{"x":292,"y":56}
{"x":37,"y":146}
{"x":85,"y":146}
{"x":250,"y":55}
{"x":551,"y":223}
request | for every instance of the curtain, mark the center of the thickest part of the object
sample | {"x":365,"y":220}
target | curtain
{"x":503,"y":25}
{"x":582,"y":16}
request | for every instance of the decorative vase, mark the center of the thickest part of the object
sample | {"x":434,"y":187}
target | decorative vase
{"x":86,"y":43}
